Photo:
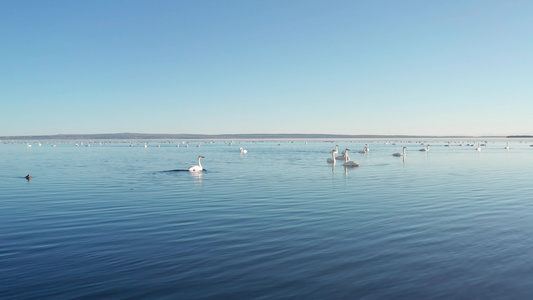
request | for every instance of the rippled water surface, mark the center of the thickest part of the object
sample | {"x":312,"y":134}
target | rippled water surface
{"x":116,"y":221}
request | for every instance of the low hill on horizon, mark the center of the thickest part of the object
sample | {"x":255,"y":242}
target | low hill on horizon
{"x":150,"y":136}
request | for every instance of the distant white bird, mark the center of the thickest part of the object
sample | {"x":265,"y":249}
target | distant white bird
{"x":243,"y":151}
{"x":400,"y":154}
{"x":145,"y":146}
{"x":197,"y":168}
{"x":425,"y":149}
{"x":365,"y":150}
{"x":332,"y":159}
{"x":347,"y":161}
{"x":507,"y":147}
{"x":478,"y":148}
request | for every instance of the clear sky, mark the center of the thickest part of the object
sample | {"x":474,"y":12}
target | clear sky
{"x":272,"y":66}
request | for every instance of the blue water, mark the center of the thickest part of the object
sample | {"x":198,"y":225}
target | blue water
{"x":114,"y":221}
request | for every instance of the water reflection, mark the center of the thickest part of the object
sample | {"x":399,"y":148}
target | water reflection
{"x":198,"y":177}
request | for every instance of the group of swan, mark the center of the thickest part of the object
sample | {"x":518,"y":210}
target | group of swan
{"x":345,"y":157}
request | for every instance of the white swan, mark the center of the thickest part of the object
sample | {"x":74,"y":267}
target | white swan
{"x":425,"y":149}
{"x":347,"y":161}
{"x":478,"y":148}
{"x":341,"y":157}
{"x":400,"y":154}
{"x":243,"y":150}
{"x":365,"y":150}
{"x":332,"y":159}
{"x":507,"y":147}
{"x":197,"y":168}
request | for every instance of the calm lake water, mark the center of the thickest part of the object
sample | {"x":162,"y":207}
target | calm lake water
{"x":114,"y":221}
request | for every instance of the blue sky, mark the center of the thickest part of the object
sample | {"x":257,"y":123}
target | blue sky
{"x":216,"y":67}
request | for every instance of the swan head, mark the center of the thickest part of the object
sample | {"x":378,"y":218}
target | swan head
{"x":201,"y":156}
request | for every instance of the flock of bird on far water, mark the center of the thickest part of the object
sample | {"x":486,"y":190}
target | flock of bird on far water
{"x":349,"y":163}
{"x":344,"y":157}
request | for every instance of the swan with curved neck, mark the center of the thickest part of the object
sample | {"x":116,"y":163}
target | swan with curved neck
{"x":332,"y":160}
{"x":400,"y":154}
{"x":426,"y":149}
{"x":197,"y":168}
{"x":347,"y":161}
{"x":343,"y":156}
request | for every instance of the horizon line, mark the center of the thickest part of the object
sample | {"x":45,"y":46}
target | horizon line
{"x":129,"y":135}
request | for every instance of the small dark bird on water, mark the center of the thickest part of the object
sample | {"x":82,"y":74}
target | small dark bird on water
{"x":28,"y":177}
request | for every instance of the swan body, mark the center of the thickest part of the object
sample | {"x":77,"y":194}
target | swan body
{"x":347,"y":161}
{"x":243,"y":150}
{"x":400,"y":154}
{"x":197,"y":168}
{"x":478,"y":148}
{"x":341,"y":157}
{"x":332,"y":159}
{"x":507,"y":147}
{"x":425,"y":149}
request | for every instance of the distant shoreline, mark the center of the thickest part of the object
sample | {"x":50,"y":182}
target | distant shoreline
{"x":147,"y":136}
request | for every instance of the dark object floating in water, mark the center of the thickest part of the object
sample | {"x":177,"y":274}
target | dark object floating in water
{"x":28,"y":177}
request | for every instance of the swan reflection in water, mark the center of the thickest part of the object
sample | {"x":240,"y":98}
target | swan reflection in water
{"x":198,"y":177}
